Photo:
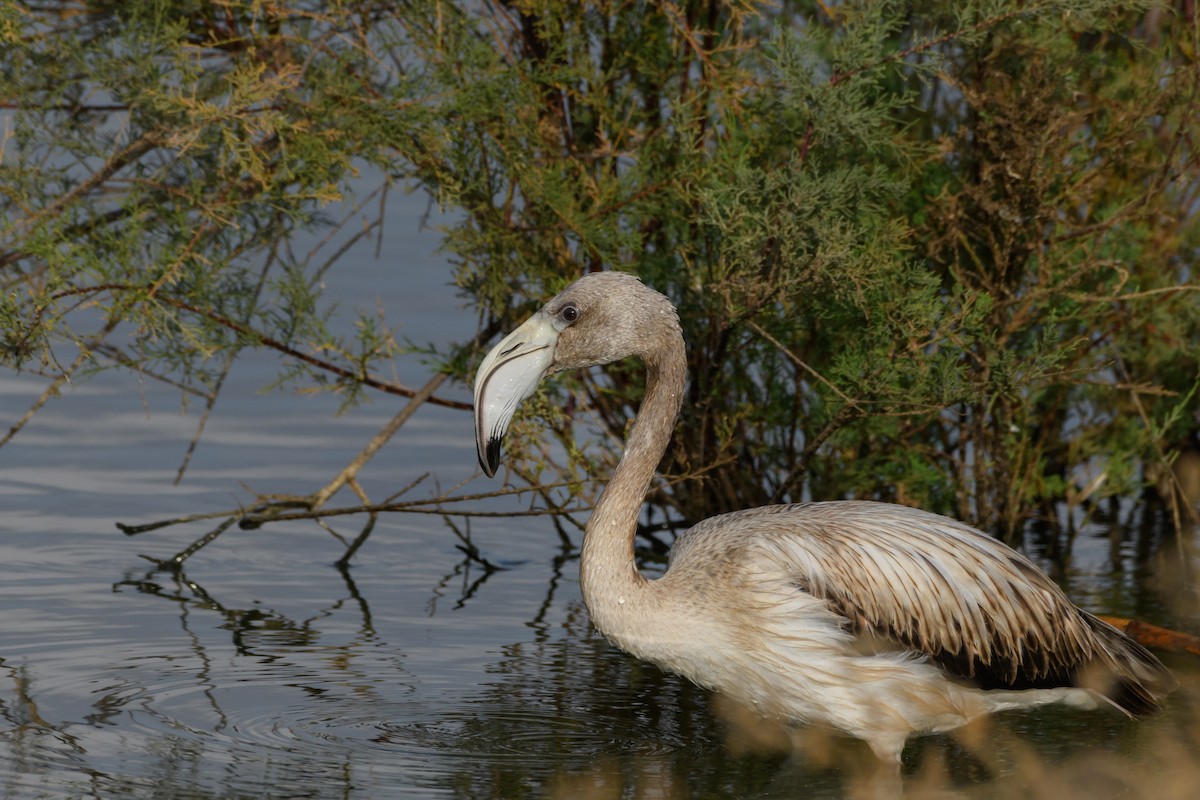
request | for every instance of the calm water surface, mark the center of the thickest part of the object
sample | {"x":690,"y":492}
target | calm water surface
{"x":263,"y":670}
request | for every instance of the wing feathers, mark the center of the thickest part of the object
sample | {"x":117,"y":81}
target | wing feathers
{"x":980,"y":610}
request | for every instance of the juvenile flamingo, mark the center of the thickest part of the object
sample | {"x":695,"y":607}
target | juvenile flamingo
{"x":878,"y":620}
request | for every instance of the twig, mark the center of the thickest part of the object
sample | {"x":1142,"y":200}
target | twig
{"x":131,"y":152}
{"x":251,"y":523}
{"x":921,"y":47}
{"x":176,"y":561}
{"x":49,"y":392}
{"x":134,"y":530}
{"x":226,"y":366}
{"x":274,"y":344}
{"x":418,"y":399}
{"x":470,"y":550}
{"x":1154,"y":636}
{"x":754,"y":326}
{"x":276,"y":510}
{"x":1184,"y":561}
{"x":63,"y":377}
{"x":344,"y":561}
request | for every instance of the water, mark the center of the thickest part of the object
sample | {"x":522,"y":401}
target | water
{"x":264,"y":670}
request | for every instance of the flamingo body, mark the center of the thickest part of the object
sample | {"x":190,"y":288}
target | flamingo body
{"x":878,"y":620}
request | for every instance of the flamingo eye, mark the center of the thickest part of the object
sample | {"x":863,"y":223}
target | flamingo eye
{"x":569,"y":313}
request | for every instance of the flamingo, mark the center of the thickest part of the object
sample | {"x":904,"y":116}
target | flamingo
{"x":878,"y":620}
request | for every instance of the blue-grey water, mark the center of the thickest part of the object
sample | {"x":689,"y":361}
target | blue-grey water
{"x":263,"y":670}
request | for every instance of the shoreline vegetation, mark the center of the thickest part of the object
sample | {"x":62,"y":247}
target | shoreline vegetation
{"x":922,"y":253}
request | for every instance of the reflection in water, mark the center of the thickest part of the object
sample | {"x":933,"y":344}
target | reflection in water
{"x":280,"y":677}
{"x":556,"y":711}
{"x":286,"y":702}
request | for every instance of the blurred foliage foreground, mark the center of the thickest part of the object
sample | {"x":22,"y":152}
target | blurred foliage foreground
{"x":943,"y":254}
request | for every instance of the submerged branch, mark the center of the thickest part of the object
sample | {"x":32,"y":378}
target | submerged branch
{"x":1154,"y":636}
{"x":276,"y":508}
{"x":176,"y":561}
{"x":272,"y":509}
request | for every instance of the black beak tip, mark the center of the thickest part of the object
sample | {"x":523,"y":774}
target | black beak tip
{"x":489,"y":457}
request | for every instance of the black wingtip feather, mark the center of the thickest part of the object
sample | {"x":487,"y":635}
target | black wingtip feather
{"x":1138,"y":680}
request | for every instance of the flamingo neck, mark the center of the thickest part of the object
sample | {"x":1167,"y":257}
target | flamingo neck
{"x":612,"y":587}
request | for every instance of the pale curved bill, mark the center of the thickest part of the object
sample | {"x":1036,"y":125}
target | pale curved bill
{"x":509,"y":374}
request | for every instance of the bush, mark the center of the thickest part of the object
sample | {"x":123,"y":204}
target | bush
{"x":938,"y":255}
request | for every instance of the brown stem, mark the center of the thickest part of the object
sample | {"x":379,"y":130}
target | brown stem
{"x":422,"y":395}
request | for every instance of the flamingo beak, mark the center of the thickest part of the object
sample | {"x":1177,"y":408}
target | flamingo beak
{"x":509,"y":374}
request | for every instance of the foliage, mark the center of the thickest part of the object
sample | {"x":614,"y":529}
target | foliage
{"x":158,"y":156}
{"x":941,"y":254}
